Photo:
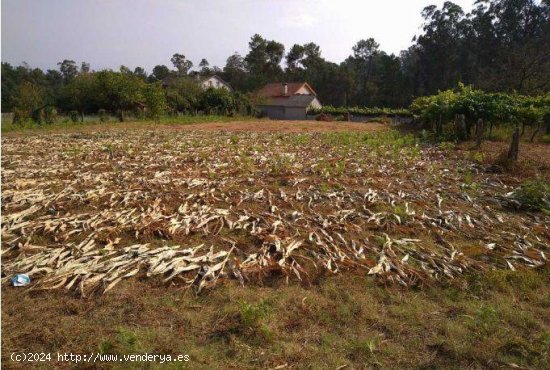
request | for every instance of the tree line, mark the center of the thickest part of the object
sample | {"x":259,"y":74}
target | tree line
{"x":500,"y":46}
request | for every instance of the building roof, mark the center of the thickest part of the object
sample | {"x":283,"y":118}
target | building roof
{"x":273,"y":90}
{"x":206,"y":78}
{"x":296,"y":101}
{"x":170,"y":79}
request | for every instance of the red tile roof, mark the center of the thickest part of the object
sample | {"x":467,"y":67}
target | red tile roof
{"x":274,"y":90}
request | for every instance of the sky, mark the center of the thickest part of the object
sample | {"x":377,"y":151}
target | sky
{"x":110,"y":33}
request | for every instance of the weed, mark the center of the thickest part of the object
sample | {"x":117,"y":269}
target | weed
{"x":252,"y":317}
{"x":252,"y":314}
{"x":478,"y":157}
{"x":362,"y":349}
{"x":403,"y":212}
{"x":106,"y":347}
{"x":127,"y":340}
{"x":485,"y":318}
{"x":301,"y":139}
{"x":447,"y":146}
{"x":108,"y":148}
{"x":534,"y":195}
{"x":340,"y":167}
{"x":468,"y":177}
{"x":281,"y":164}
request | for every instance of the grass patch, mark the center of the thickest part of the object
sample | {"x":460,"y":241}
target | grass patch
{"x":61,"y":125}
{"x":534,"y":195}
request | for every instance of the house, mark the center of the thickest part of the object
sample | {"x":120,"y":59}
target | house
{"x":215,"y":82}
{"x":205,"y":82}
{"x":289,"y":101}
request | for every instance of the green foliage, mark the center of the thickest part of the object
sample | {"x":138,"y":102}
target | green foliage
{"x":182,"y":95}
{"x":534,"y":195}
{"x":50,"y":114}
{"x":497,"y":111}
{"x":251,"y":315}
{"x":102,"y":113}
{"x":74,"y":116}
{"x":81,"y":93}
{"x":28,"y":100}
{"x":155,"y":101}
{"x":120,"y":91}
{"x":475,"y":104}
{"x":218,"y":101}
{"x":361,"y":111}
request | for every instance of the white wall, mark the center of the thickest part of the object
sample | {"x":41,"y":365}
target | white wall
{"x":214,"y":83}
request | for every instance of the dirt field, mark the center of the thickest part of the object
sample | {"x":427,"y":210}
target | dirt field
{"x":273,"y":245}
{"x":286,"y":126}
{"x":228,"y":126}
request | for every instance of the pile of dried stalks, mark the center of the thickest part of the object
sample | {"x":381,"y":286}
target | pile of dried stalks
{"x":84,"y":211}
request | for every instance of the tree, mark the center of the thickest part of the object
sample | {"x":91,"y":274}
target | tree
{"x":68,"y":69}
{"x":182,"y":65}
{"x":140,"y":72}
{"x":263,"y":60}
{"x":235,"y":72}
{"x":126,"y":70}
{"x":160,"y":72}
{"x":361,"y":65}
{"x":120,"y":92}
{"x":365,"y":49}
{"x":81,"y":94}
{"x":294,"y":58}
{"x":219,"y":101}
{"x":443,"y":49}
{"x":204,"y":67}
{"x":85,"y":67}
{"x":183,"y":94}
{"x":10,"y":84}
{"x":510,"y":40}
{"x":29,"y":99}
{"x":155,"y":101}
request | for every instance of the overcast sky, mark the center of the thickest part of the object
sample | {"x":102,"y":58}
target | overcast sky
{"x":109,"y":33}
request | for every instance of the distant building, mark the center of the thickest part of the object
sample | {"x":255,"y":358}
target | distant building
{"x":215,"y":82}
{"x":205,"y":82}
{"x":289,"y":101}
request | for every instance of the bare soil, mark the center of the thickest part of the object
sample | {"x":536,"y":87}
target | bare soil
{"x":285,"y":126}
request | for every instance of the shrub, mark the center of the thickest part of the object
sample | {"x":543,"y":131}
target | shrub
{"x":324,"y":117}
{"x":218,"y":101}
{"x":50,"y":114}
{"x":37,"y":116}
{"x":155,"y":101}
{"x":361,"y":111}
{"x":73,"y":115}
{"x":492,"y":108}
{"x":252,"y":314}
{"x":534,"y":195}
{"x":102,"y":113}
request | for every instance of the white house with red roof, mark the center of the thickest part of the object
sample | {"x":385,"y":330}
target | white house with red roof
{"x":289,"y":101}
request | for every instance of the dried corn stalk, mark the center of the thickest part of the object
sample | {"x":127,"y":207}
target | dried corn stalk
{"x":90,"y":210}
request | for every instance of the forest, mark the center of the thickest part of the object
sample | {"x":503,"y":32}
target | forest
{"x":500,"y":46}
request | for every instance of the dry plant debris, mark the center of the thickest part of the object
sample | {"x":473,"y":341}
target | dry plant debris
{"x":84,"y":211}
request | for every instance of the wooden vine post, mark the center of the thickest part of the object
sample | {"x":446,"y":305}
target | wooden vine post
{"x":460,"y":127}
{"x":513,"y":153}
{"x":479,"y":132}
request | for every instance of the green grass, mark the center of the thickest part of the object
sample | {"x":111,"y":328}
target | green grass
{"x":65,"y":124}
{"x":534,"y":195}
{"x":494,"y":318}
